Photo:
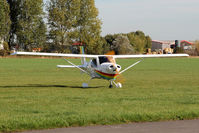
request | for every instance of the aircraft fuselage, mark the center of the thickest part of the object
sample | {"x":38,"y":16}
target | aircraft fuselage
{"x":104,"y":68}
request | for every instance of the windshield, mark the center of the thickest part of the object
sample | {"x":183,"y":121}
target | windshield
{"x":103,"y":59}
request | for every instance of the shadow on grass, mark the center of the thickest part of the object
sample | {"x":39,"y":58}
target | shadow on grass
{"x":46,"y":86}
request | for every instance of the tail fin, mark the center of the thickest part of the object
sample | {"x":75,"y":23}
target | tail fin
{"x":83,"y":60}
{"x":82,"y":50}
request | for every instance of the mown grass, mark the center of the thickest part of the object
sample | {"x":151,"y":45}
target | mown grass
{"x":34,"y":94}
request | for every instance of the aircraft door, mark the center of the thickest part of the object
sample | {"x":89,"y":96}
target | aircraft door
{"x":94,"y":63}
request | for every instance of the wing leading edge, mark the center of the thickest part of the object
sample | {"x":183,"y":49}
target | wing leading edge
{"x":96,"y":56}
{"x":55,"y":54}
{"x":150,"y":56}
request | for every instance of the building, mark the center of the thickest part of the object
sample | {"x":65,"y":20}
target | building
{"x":161,"y":45}
{"x":169,"y":46}
{"x":186,"y":45}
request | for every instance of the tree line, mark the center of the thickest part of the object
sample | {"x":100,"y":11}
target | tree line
{"x":25,"y":25}
{"x":129,"y":43}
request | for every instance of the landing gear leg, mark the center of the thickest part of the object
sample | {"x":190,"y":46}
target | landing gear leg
{"x":111,"y":84}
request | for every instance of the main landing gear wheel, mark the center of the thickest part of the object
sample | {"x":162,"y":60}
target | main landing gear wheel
{"x":84,"y":85}
{"x":110,"y":86}
{"x":119,"y":85}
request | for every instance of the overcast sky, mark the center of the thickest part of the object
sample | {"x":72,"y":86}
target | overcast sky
{"x":160,"y":19}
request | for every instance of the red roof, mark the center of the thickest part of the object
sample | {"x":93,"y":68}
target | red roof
{"x":186,"y":42}
{"x":78,"y":43}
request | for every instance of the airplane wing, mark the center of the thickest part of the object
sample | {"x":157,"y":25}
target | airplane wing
{"x":55,"y":54}
{"x":150,"y":56}
{"x":96,"y":56}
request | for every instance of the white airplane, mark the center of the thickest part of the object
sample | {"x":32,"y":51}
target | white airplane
{"x":100,"y":66}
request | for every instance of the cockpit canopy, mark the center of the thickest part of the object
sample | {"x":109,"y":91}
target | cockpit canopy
{"x":102,"y":59}
{"x":105,"y":59}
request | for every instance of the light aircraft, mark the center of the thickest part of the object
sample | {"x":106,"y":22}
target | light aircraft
{"x":100,"y":66}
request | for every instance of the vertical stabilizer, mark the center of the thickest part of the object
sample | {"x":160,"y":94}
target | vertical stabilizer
{"x":83,"y":60}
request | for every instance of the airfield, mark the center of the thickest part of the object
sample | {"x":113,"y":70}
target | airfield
{"x":36,"y":95}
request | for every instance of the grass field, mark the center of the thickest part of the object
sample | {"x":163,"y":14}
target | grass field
{"x":34,"y":94}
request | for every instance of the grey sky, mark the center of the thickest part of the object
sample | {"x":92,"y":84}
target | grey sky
{"x":161,"y":19}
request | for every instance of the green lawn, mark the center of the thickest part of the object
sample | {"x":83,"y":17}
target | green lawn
{"x":34,"y":94}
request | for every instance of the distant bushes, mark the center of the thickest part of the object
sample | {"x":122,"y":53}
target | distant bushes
{"x":129,"y":43}
{"x":5,"y":51}
{"x":197,"y":46}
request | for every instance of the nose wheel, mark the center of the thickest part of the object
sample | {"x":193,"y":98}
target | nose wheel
{"x":118,"y":85}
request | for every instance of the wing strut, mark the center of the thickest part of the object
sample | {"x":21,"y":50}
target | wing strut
{"x":77,"y":66}
{"x":131,"y":65}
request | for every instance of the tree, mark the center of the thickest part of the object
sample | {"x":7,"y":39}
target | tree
{"x":4,"y":20}
{"x":74,"y":21}
{"x":148,"y":42}
{"x":62,"y":20}
{"x":106,"y":47}
{"x":14,"y":13}
{"x":110,"y":38}
{"x":28,"y":29}
{"x":139,"y":41}
{"x":121,"y":45}
{"x":89,"y":26}
{"x":196,"y":43}
{"x":40,"y":36}
{"x":31,"y":29}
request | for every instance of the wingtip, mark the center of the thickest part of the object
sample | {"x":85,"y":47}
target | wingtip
{"x":15,"y":53}
{"x":186,"y":55}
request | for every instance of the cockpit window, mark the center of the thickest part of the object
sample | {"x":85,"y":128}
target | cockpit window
{"x":94,"y":63}
{"x":103,"y":59}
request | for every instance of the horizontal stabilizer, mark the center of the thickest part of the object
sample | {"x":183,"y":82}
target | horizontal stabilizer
{"x":68,"y":66}
{"x":65,"y":66}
